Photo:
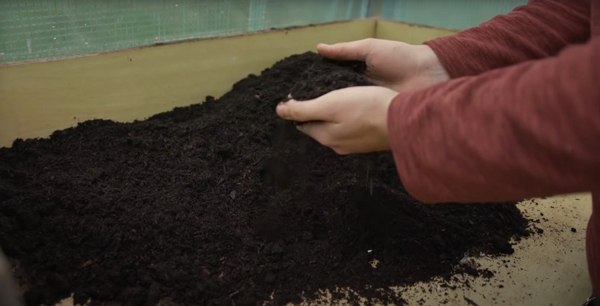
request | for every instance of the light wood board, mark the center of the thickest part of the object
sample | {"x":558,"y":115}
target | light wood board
{"x":409,"y":33}
{"x":37,"y":99}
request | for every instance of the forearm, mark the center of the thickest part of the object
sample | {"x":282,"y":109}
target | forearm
{"x":524,"y":131}
{"x":537,"y":30}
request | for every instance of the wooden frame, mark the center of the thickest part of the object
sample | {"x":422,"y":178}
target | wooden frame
{"x":39,"y":98}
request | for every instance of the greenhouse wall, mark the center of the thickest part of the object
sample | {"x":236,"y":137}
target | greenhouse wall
{"x":451,"y":14}
{"x":42,"y":29}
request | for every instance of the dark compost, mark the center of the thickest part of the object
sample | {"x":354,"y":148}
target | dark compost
{"x":223,"y":203}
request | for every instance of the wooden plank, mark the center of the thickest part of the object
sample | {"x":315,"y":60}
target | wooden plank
{"x":409,"y":33}
{"x":38,"y":98}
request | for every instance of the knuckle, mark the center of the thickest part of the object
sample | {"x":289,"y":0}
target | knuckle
{"x":343,"y":49}
{"x":294,"y":113}
{"x":370,"y":43}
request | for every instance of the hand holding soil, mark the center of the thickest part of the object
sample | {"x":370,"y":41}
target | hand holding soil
{"x":354,"y":120}
{"x":392,"y":64}
{"x":350,"y":120}
{"x":340,"y":108}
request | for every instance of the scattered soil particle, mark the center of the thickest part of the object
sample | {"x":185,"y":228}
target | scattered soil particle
{"x":502,"y":246}
{"x":470,"y":302}
{"x":222,"y":203}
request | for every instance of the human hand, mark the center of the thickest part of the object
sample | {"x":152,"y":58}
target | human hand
{"x":348,"y":120}
{"x":392,"y":64}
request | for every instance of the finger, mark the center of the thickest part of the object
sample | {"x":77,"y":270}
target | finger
{"x":304,"y":111}
{"x":349,"y":51}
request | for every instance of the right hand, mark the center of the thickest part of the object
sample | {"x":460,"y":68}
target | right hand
{"x":396,"y":65}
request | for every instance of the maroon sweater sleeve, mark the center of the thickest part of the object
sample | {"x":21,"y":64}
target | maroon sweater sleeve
{"x":528,"y":130}
{"x":537,"y":30}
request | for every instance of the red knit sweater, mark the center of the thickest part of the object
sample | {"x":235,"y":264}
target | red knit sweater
{"x":519,"y":119}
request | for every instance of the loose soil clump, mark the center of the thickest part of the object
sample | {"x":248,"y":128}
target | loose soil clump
{"x":223,"y":203}
{"x":326,"y":75}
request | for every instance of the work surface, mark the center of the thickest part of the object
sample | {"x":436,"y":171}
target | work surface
{"x":546,"y":269}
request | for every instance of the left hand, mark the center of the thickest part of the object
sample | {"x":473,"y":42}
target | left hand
{"x":349,"y":120}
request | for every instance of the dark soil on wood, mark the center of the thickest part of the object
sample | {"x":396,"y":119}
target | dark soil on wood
{"x":223,"y":203}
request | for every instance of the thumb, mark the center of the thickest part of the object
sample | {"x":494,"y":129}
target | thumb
{"x":304,"y":111}
{"x":348,"y":51}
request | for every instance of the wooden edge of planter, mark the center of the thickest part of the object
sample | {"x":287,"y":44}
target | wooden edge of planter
{"x":409,"y":33}
{"x":39,"y":98}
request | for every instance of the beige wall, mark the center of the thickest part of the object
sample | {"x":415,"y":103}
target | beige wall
{"x":39,"y":98}
{"x":412,"y":34}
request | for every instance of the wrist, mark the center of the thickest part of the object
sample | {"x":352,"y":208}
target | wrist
{"x":430,"y":65}
{"x":383,"y":126}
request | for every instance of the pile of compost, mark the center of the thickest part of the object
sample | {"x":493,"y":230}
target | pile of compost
{"x":223,"y":203}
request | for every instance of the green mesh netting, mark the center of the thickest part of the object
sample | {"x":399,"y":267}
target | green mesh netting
{"x":41,"y":29}
{"x":451,"y":14}
{"x":37,"y":29}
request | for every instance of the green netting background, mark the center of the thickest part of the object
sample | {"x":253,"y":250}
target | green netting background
{"x":454,"y":14}
{"x":41,"y":29}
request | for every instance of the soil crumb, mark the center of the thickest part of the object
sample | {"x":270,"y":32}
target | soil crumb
{"x":222,"y":203}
